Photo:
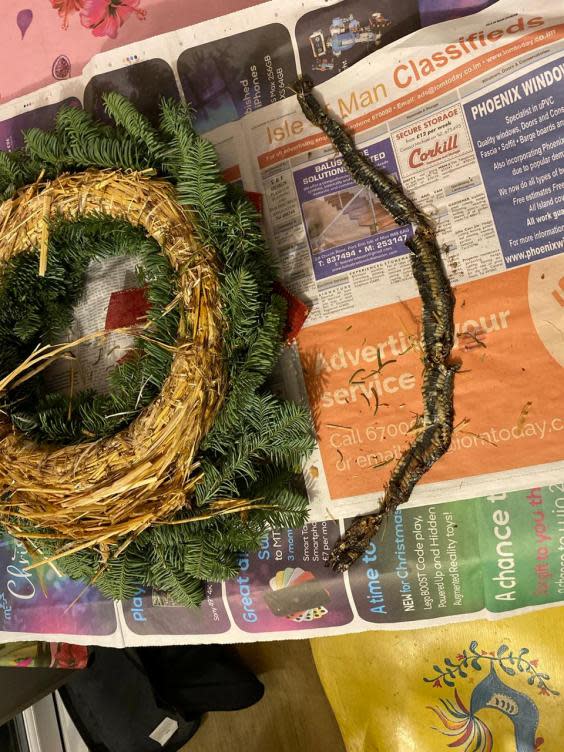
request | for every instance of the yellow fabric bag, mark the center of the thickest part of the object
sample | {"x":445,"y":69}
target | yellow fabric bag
{"x":466,"y":687}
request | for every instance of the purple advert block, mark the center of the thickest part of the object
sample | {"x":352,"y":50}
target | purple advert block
{"x":151,"y":612}
{"x":435,"y":11}
{"x":44,"y":601}
{"x":286,"y":587}
{"x":346,"y":226}
{"x":12,"y":130}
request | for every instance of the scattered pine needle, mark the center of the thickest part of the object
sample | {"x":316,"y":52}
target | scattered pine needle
{"x":382,"y":464}
{"x":523,"y":415}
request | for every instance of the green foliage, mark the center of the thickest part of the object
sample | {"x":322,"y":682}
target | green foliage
{"x":274,"y":432}
{"x":248,"y":372}
{"x":16,"y":169}
{"x":257,"y":443}
{"x":78,"y":142}
{"x":123,"y":575}
{"x":136,"y":125}
{"x":184,"y":588}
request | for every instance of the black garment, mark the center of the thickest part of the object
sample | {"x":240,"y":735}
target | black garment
{"x":199,"y":678}
{"x":119,"y":701}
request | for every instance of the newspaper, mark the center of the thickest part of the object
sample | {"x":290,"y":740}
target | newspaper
{"x":433,"y":564}
{"x":114,"y":298}
{"x":471,"y":124}
{"x":468,"y":116}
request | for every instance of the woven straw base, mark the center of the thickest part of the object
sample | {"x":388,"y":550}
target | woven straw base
{"x":107,"y":491}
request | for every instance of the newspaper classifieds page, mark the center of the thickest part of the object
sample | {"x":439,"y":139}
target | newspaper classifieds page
{"x":468,"y":117}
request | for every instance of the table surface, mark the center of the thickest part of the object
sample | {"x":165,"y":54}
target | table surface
{"x":293,"y":716}
{"x":22,"y":687}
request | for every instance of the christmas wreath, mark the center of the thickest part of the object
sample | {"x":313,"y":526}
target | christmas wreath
{"x":188,"y":457}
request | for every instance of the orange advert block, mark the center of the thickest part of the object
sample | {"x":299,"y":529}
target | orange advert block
{"x":363,"y":376}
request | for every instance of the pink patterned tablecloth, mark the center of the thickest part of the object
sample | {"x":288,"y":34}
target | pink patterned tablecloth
{"x":42,"y":40}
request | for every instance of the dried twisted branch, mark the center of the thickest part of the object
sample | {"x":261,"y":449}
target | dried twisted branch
{"x":438,"y":333}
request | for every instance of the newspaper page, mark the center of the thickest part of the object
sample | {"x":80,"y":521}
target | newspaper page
{"x":478,"y":539}
{"x":433,"y":564}
{"x":469,"y":118}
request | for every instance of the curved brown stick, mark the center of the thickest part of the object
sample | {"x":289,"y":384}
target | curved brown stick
{"x":437,"y":337}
